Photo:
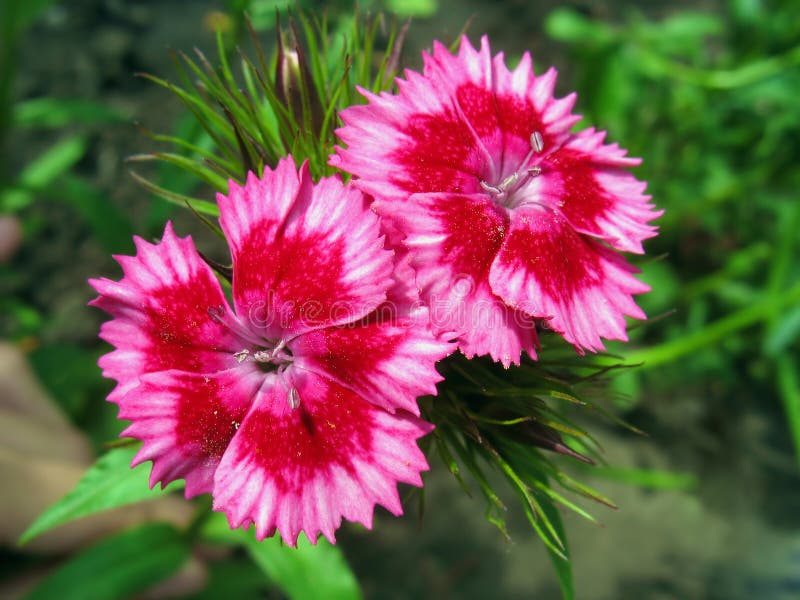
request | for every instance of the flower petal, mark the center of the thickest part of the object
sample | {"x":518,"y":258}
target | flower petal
{"x":333,"y":457}
{"x":403,"y":297}
{"x":587,"y":181}
{"x":501,"y":107}
{"x":549,"y":271}
{"x":161,"y":314}
{"x":304,"y":256}
{"x":187,"y":420}
{"x":411,"y":142}
{"x":452,"y":240}
{"x":467,"y":119}
{"x":388,"y":358}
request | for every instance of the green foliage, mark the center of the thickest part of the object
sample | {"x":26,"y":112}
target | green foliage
{"x":18,"y":15}
{"x":710,"y":103}
{"x":233,"y":578}
{"x":41,"y":173}
{"x":519,"y":424}
{"x":70,"y":371}
{"x":15,"y":17}
{"x":302,"y":573}
{"x":412,"y":8}
{"x":305,"y":572}
{"x":263,"y":14}
{"x":283,"y":105}
{"x":118,"y":566}
{"x":55,"y":112}
{"x":561,"y":560}
{"x":648,"y":478}
{"x":109,"y":483}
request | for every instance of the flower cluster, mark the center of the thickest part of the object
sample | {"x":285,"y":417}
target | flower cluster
{"x":474,"y":215}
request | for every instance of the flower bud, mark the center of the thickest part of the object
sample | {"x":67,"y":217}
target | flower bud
{"x":294,"y":84}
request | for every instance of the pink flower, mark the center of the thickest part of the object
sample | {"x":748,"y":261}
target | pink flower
{"x":298,"y":406}
{"x":507,"y":215}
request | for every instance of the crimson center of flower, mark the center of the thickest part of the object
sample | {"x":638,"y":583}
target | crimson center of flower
{"x":504,"y":193}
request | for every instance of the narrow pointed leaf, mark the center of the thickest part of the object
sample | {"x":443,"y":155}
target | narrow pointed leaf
{"x":201,"y":206}
{"x":118,"y":566}
{"x":561,"y":564}
{"x":60,"y":112}
{"x":109,"y":483}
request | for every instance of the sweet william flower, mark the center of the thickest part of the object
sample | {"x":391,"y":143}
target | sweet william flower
{"x":297,"y":407}
{"x":508,"y":216}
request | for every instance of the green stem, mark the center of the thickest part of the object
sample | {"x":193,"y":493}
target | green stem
{"x":713,"y":333}
{"x":723,"y":79}
{"x":740,"y":265}
{"x":789,"y":388}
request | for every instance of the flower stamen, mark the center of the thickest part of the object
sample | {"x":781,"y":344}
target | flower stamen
{"x":263,"y":356}
{"x":522,"y":173}
{"x":292,"y":395}
{"x":293,"y":398}
{"x":219,"y":315}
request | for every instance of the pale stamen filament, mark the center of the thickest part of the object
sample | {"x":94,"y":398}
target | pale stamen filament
{"x":279,"y":348}
{"x":522,"y":173}
{"x":263,"y":356}
{"x":292,"y":395}
{"x":219,"y":315}
{"x":276,"y":355}
{"x":293,"y":398}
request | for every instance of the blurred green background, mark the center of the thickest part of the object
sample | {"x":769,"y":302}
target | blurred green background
{"x":707,"y":93}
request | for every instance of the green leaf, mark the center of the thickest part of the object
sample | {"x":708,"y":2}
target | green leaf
{"x":20,"y":14}
{"x":688,"y":25}
{"x":233,"y":578}
{"x":412,"y":8}
{"x":54,"y":162}
{"x":55,"y":112}
{"x":306,"y":572}
{"x":562,"y":566}
{"x":711,"y":334}
{"x":24,"y":319}
{"x":567,"y":25}
{"x":118,"y":566}
{"x":109,"y":483}
{"x":789,"y":387}
{"x":42,"y":171}
{"x":201,"y":206}
{"x":648,"y":478}
{"x":193,"y":166}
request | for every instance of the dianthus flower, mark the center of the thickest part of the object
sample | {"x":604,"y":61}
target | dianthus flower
{"x":509,"y":218}
{"x":297,"y":407}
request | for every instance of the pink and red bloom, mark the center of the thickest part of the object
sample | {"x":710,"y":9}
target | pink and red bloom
{"x":296,"y":407}
{"x":508,"y":216}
